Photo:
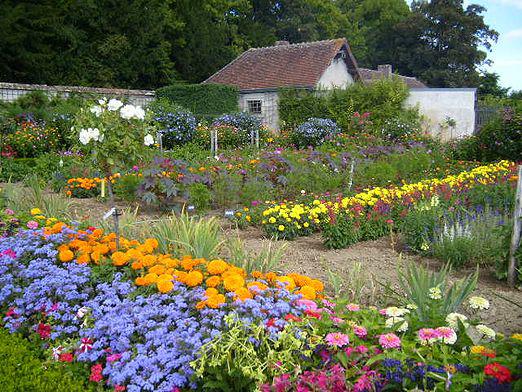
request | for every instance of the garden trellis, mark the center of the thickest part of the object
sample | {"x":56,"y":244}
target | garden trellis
{"x":517,"y":229}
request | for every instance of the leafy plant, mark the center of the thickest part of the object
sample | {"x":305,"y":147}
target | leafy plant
{"x":418,"y":283}
{"x":268,"y":258}
{"x":340,"y":233}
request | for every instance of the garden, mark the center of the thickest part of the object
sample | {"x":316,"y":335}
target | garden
{"x":184,"y":246}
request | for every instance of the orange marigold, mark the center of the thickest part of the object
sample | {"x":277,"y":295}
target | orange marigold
{"x":308,"y":292}
{"x":215,"y":301}
{"x":257,"y":286}
{"x":119,"y":259}
{"x":210,"y":292}
{"x":217,"y":267}
{"x":164,"y":286}
{"x":141,"y":281}
{"x":317,"y":285}
{"x":242,"y":293}
{"x":157,"y":269}
{"x":285,"y":282}
{"x":193,"y":278}
{"x":148,"y":260}
{"x":213,"y":281}
{"x":65,"y":255}
{"x":233,"y":282}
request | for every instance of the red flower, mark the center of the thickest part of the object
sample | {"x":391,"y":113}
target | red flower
{"x":313,"y":314}
{"x":96,"y":373}
{"x":11,"y":312}
{"x":291,"y":317}
{"x":66,"y":357}
{"x":501,"y":373}
{"x":271,"y":322}
{"x":119,"y":388}
{"x":44,"y":330}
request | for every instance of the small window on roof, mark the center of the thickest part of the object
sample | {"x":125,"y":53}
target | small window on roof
{"x":255,"y":106}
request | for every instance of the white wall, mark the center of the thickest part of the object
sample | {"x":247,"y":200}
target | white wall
{"x":336,"y":75}
{"x":269,"y":106}
{"x":438,"y":104}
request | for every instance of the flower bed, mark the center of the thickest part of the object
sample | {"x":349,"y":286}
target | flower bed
{"x":141,"y":320}
{"x":289,"y":220}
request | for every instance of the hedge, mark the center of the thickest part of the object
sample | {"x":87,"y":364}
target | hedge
{"x":24,"y":369}
{"x":204,"y":100}
{"x":384,"y":99}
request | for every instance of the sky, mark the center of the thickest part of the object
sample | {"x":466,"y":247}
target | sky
{"x":505,"y":16}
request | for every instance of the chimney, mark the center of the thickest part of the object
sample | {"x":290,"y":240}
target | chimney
{"x":385,"y":69}
{"x":281,"y":43}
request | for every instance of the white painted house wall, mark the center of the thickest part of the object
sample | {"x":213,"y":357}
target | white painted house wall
{"x":269,"y":106}
{"x":335,"y":76}
{"x":437,"y":105}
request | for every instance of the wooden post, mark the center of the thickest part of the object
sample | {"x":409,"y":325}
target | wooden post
{"x":517,"y":228}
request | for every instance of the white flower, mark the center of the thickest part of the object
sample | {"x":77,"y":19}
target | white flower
{"x":390,"y":322}
{"x":127,"y":112}
{"x":97,"y":110}
{"x":82,"y":312}
{"x":394,"y":311}
{"x":478,"y":303}
{"x":453,"y":320}
{"x":85,"y":136}
{"x":435,"y":293}
{"x":102,"y":101}
{"x":148,"y":140}
{"x":486,"y":331}
{"x":139,"y":113}
{"x":412,"y":307}
{"x":95,"y":134}
{"x":447,"y":335}
{"x":57,"y":351}
{"x":114,"y":104}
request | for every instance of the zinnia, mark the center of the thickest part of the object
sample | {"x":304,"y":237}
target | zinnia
{"x":428,"y":335}
{"x":389,"y":340}
{"x":501,"y":373}
{"x":337,"y":339}
{"x":478,"y":303}
{"x":447,"y":335}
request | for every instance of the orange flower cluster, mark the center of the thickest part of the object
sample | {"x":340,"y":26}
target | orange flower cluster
{"x":84,"y":186}
{"x":162,"y":270}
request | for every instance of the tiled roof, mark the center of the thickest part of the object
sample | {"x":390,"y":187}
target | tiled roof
{"x":296,"y":65}
{"x":370,"y":75}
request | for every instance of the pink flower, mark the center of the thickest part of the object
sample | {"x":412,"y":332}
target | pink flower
{"x":383,"y":312}
{"x":353,"y":307}
{"x":337,"y":339}
{"x":348,"y":351}
{"x":447,"y":335}
{"x":119,"y":388}
{"x":361,"y":349}
{"x":9,"y":253}
{"x":428,"y":335}
{"x":337,"y":320}
{"x":328,"y":303}
{"x":325,"y":355}
{"x":9,"y":211}
{"x":113,"y":357}
{"x":308,"y":304}
{"x":389,"y":340}
{"x":32,"y":225}
{"x":360,"y":332}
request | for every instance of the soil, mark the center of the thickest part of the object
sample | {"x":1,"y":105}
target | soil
{"x":364,"y":273}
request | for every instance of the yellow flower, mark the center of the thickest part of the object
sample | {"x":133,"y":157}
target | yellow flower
{"x":36,"y":211}
{"x":233,"y":282}
{"x":281,"y":228}
{"x":517,"y":336}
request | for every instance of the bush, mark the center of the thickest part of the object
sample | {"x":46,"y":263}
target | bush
{"x":314,"y":132}
{"x":176,"y":124}
{"x":383,"y":99}
{"x":31,"y":139}
{"x":15,"y":169}
{"x":204,"y":100}
{"x":23,"y":369}
{"x":340,"y":234}
{"x":501,"y":138}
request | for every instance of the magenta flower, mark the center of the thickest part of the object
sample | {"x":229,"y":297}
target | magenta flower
{"x":9,"y":211}
{"x":360,"y":332}
{"x":337,"y":339}
{"x":389,"y":340}
{"x":361,"y":349}
{"x":428,"y":335}
{"x":447,"y":335}
{"x":353,"y":307}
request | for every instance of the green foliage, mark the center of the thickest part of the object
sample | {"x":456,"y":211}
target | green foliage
{"x":422,"y":46}
{"x":416,"y":282}
{"x":341,"y":233}
{"x":200,"y":196}
{"x":204,"y":100}
{"x":267,"y":259}
{"x":24,"y":369}
{"x":242,"y":357}
{"x":126,"y":187}
{"x":188,"y":235}
{"x":383,"y":99}
{"x":16,"y":169}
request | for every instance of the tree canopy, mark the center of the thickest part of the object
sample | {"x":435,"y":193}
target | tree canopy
{"x":151,"y":43}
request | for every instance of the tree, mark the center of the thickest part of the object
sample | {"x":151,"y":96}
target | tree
{"x":489,"y":85}
{"x":440,"y":42}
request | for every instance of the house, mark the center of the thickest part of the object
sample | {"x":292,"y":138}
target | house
{"x":258,"y":73}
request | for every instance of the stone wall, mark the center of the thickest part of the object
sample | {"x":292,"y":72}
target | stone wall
{"x":11,"y":91}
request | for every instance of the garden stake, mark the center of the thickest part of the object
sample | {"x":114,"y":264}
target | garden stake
{"x":116,"y":214}
{"x":517,"y":228}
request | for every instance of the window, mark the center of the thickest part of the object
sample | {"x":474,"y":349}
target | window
{"x":254,"y":107}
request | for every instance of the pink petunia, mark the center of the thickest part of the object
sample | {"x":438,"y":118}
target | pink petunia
{"x":337,"y":339}
{"x":389,"y":340}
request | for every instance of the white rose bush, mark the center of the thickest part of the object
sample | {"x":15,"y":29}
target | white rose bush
{"x":115,"y":135}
